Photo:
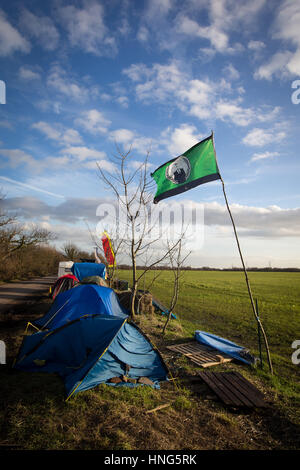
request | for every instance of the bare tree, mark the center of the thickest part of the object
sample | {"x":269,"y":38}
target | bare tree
{"x":71,"y":251}
{"x":132,"y":190}
{"x":15,"y":236}
{"x":177,"y":259}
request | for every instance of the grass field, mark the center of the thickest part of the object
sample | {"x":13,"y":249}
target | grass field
{"x":34,"y":414}
{"x":218,"y":302}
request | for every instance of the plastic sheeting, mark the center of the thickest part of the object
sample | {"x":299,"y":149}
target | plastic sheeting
{"x":223,"y":345}
{"x":82,"y":270}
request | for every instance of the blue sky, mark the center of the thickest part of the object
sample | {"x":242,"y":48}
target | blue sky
{"x":82,"y":76}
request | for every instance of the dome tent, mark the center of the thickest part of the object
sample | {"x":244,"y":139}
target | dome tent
{"x":105,"y":347}
{"x":82,"y":300}
{"x":87,"y":340}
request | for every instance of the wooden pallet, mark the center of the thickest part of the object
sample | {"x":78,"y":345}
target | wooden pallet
{"x":233,"y":389}
{"x":200,"y":354}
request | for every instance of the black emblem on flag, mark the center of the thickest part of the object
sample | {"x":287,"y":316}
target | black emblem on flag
{"x":179,"y":170}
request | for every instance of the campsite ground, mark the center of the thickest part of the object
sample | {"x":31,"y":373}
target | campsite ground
{"x":35,"y":415}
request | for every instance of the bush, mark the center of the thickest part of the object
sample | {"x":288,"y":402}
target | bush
{"x":30,"y":262}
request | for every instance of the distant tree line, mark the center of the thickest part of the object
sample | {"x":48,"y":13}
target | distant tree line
{"x":25,"y":251}
{"x":207,"y":268}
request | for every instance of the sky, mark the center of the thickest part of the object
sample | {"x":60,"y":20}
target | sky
{"x":80,"y":78}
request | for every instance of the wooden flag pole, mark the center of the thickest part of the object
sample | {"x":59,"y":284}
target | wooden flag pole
{"x":245,"y":272}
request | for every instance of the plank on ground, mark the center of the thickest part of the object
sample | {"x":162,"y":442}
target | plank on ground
{"x":233,"y":389}
{"x":202,"y":355}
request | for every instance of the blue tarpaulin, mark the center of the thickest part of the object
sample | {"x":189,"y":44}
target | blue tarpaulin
{"x":224,"y":345}
{"x":82,"y":270}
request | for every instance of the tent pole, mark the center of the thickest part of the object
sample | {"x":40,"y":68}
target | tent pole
{"x":247,"y":281}
{"x":245,"y":270}
{"x":259,"y":340}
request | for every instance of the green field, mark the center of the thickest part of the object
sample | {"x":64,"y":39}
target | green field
{"x":34,"y":415}
{"x":218,"y":302}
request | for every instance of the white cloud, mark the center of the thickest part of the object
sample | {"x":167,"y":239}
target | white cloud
{"x":93,"y":121}
{"x":31,"y":187}
{"x":131,"y":140}
{"x":276,"y":66}
{"x":71,"y":137}
{"x":225,"y":17}
{"x":28,"y":73}
{"x":10,"y":39}
{"x":180,"y":139}
{"x":218,"y":38}
{"x":61,"y":82}
{"x":76,"y":157}
{"x":260,"y":137}
{"x":264,"y":156}
{"x":271,"y":221}
{"x":287,"y":28}
{"x":202,"y":98}
{"x":17,"y":157}
{"x":40,"y":28}
{"x":265,"y":222}
{"x":143,"y":34}
{"x":231,"y":72}
{"x":49,"y":131}
{"x":86,"y":28}
{"x":123,"y":101}
{"x":85,"y":157}
{"x":58,"y":133}
{"x":284,"y":62}
{"x":84,"y":153}
{"x":256,"y":45}
{"x":237,"y":114}
{"x":136,"y":72}
{"x":122,"y":136}
{"x":196,"y":97}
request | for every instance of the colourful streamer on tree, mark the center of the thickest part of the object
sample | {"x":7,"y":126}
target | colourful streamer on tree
{"x":108,"y":249}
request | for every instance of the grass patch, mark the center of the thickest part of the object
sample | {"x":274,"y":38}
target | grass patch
{"x":34,"y":415}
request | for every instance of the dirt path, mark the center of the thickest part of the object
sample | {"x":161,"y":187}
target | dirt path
{"x":16,"y":293}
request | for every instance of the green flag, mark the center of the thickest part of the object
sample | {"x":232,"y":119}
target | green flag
{"x":196,"y":166}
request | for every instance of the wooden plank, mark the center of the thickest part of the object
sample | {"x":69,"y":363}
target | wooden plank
{"x":236,"y":398}
{"x":233,"y":389}
{"x":240,"y":389}
{"x":253,"y":393}
{"x":190,"y":347}
{"x":202,"y":355}
{"x":249,"y":385}
{"x":222,"y":392}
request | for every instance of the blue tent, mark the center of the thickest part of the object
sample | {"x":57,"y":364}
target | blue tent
{"x":82,"y":270}
{"x":91,"y":350}
{"x":81,"y":300}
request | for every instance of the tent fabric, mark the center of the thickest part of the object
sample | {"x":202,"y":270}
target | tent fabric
{"x":103,"y":347}
{"x":86,"y":299}
{"x":62,"y":284}
{"x":224,"y":345}
{"x":82,"y":270}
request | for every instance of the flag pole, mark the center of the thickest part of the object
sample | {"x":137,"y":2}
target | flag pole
{"x":244,"y":269}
